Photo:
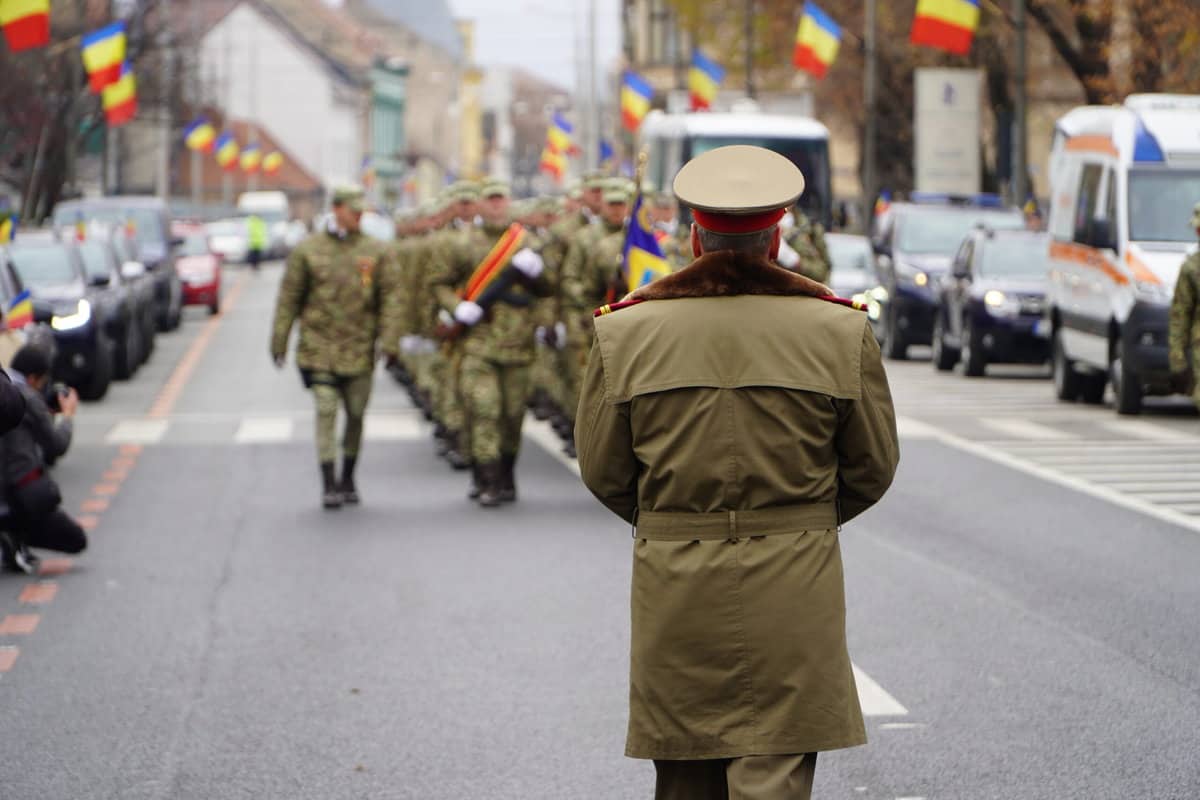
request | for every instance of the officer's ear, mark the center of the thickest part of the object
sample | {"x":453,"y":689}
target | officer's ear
{"x":776,"y":238}
{"x":696,"y":251}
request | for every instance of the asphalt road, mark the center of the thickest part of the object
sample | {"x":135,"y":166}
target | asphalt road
{"x":1023,"y":606}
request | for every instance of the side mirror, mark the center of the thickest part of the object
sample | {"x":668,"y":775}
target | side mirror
{"x":42,"y":311}
{"x":960,"y":270}
{"x":100,"y":281}
{"x":132,"y":270}
{"x":1102,"y":237}
{"x":177,"y":241}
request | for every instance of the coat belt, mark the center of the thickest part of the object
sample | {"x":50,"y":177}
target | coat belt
{"x":670,"y":526}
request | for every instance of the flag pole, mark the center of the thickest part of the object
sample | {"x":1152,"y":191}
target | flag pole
{"x":1020,"y":174}
{"x":870,"y":79}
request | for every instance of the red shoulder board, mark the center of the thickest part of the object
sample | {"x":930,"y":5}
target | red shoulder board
{"x":611,"y":307}
{"x":841,"y":301}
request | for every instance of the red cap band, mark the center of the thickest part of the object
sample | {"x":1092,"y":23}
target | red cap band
{"x":739,"y":223}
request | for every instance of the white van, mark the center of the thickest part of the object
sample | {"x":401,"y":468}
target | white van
{"x":272,"y":208}
{"x":1123,"y":181}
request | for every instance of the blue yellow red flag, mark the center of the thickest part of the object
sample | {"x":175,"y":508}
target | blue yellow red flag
{"x":817,"y":41}
{"x":26,"y":23}
{"x":251,"y":158}
{"x":644,"y":259}
{"x":946,"y":24}
{"x":553,"y":163}
{"x":883,"y":202}
{"x":272,"y":162}
{"x":120,"y":99}
{"x":103,"y":55}
{"x":8,"y":228}
{"x":636,"y":95}
{"x":704,"y":79}
{"x":19,"y":312}
{"x":227,"y":151}
{"x":200,"y":135}
{"x":560,"y":134}
{"x":606,"y":152}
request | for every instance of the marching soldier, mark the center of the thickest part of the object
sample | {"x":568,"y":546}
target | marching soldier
{"x":1183,"y":331}
{"x":332,"y":286}
{"x":804,"y":249}
{"x":737,"y":463}
{"x":497,"y":338}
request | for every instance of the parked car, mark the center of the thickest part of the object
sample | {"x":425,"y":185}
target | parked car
{"x":37,"y":332}
{"x":116,"y":303}
{"x":53,"y":273}
{"x":229,"y":239}
{"x":146,"y":219}
{"x":991,"y":307}
{"x":853,"y":272}
{"x":199,"y":268}
{"x":914,"y":243}
{"x":142,"y":281}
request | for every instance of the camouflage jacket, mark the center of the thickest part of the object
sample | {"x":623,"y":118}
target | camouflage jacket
{"x":555,"y":247}
{"x":506,"y":334}
{"x":333,"y":286}
{"x":588,"y":275}
{"x":1183,"y":332}
{"x":807,"y":238}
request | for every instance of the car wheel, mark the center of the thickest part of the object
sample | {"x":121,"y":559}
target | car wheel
{"x":1067,"y":382}
{"x":102,"y":372}
{"x":214,"y":307}
{"x":973,"y":357}
{"x":944,"y":356}
{"x":894,"y":346}
{"x":1126,"y":386}
{"x":149,"y":330}
{"x":126,"y":356}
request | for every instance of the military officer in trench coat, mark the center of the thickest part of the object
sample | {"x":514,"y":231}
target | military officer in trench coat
{"x":737,"y":416}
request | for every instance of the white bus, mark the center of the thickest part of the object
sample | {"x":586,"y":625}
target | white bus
{"x":674,"y":139}
{"x":1123,"y":181}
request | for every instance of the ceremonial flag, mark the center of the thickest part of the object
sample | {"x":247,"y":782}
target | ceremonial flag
{"x":883,"y":202}
{"x":8,"y":228}
{"x":227,"y":151}
{"x":644,"y":259}
{"x":606,"y":152}
{"x":20,"y":311}
{"x":553,"y":162}
{"x":704,"y":79}
{"x":817,"y":41}
{"x":200,"y":135}
{"x":251,"y":158}
{"x":559,"y":135}
{"x":103,"y":55}
{"x":26,"y":23}
{"x":946,"y":24}
{"x":272,"y":162}
{"x":636,"y":95}
{"x":120,"y":99}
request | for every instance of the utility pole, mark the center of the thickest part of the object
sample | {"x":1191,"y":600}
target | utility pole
{"x":1020,"y":170}
{"x":749,"y":49}
{"x":227,"y":175}
{"x":870,"y":87}
{"x":592,"y":157}
{"x":197,"y":167}
{"x":167,"y":43}
{"x":252,"y":50}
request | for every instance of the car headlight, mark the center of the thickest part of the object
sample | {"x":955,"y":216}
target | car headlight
{"x":1001,"y":305}
{"x":70,"y":322}
{"x":910,"y":274}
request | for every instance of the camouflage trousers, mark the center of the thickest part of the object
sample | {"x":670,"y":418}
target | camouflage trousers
{"x":494,"y":396}
{"x":547,"y":375}
{"x":447,"y":396}
{"x":330,"y":391}
{"x":574,"y":361}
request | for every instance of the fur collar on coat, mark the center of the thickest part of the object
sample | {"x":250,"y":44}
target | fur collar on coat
{"x":726,"y":273}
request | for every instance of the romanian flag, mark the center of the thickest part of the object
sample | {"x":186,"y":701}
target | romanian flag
{"x":251,"y":159}
{"x":227,"y":151}
{"x":272,"y":162}
{"x":636,"y":95}
{"x":946,"y":24}
{"x":120,"y":98}
{"x":644,"y":259}
{"x":8,"y":228}
{"x":606,"y":152}
{"x":883,"y":202}
{"x":553,"y":162}
{"x":26,"y":23}
{"x":20,"y":311}
{"x":704,"y":79}
{"x":103,"y":55}
{"x":200,"y":135}
{"x":367,"y":172}
{"x":817,"y":42}
{"x":559,"y":136}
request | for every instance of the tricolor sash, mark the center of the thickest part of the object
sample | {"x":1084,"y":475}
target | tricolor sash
{"x":495,"y":262}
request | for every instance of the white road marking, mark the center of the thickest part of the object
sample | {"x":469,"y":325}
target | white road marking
{"x":137,"y":431}
{"x":1156,"y":487}
{"x":910,"y":428}
{"x":874,"y":699}
{"x":902,"y":726}
{"x":1140,"y":429}
{"x":542,"y":434}
{"x":393,"y":428}
{"x":1024,"y":429}
{"x":264,"y":430}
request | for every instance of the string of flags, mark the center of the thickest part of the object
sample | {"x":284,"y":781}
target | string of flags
{"x":26,"y":23}
{"x":817,"y":41}
{"x":704,"y":80}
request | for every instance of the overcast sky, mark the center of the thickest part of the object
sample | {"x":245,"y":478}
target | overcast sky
{"x":541,"y":35}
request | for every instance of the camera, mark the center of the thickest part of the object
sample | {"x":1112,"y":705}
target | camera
{"x":54,"y":394}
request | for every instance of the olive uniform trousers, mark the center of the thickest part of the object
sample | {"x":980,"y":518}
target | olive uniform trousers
{"x":494,"y":396}
{"x":748,"y":778}
{"x":331,"y":391}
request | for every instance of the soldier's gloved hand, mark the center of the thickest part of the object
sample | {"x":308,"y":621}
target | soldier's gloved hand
{"x":279,"y":359}
{"x":529,"y":263}
{"x":468,"y":313}
{"x":560,"y":333}
{"x":549,"y":335}
{"x":787,"y":257}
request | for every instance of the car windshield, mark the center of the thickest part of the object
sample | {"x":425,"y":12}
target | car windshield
{"x":43,"y":265}
{"x":143,"y":222}
{"x":940,"y":232}
{"x":194,"y":244}
{"x":849,"y":252}
{"x":95,"y":260}
{"x":810,"y":155}
{"x":1160,"y":205}
{"x":1014,"y":256}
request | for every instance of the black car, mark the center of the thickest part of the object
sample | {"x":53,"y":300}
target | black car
{"x":992,"y":305}
{"x":142,"y":282}
{"x":914,"y":243}
{"x":52,"y":272}
{"x":37,"y":333}
{"x":117,"y":304}
{"x":147,"y":220}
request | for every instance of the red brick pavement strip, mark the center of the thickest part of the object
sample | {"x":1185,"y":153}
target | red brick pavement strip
{"x":94,"y":505}
{"x":19,"y":624}
{"x":55,"y":566}
{"x":38,"y":593}
{"x":8,"y":657}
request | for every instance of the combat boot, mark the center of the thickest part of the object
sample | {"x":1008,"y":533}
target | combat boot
{"x":454,"y":454}
{"x":489,"y":485}
{"x":331,"y":496}
{"x":569,"y":447}
{"x":476,"y":483}
{"x":349,"y":490}
{"x":508,"y":481}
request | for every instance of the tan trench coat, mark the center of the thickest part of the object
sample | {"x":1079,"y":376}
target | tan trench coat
{"x":737,"y":423}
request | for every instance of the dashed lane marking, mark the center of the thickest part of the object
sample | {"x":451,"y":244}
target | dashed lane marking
{"x":94,"y":505}
{"x":268,"y":430}
{"x":874,"y":699}
{"x":51,"y":567}
{"x":1140,"y":429}
{"x":8,"y":657}
{"x":1024,"y":429}
{"x":394,"y":428}
{"x":137,"y":431}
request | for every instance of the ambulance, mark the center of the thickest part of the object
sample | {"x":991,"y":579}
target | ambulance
{"x":1123,"y":181}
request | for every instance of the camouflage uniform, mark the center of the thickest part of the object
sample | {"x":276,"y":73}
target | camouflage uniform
{"x":334,"y":286}
{"x":447,"y":245}
{"x":807,"y":238}
{"x":549,"y":367}
{"x":1184,"y":329}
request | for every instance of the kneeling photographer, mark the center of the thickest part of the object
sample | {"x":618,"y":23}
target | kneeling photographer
{"x":35,"y":517}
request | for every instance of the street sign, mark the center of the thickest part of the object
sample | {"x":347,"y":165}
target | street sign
{"x":947,"y":129}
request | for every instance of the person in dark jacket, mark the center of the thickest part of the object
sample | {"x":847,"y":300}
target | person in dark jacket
{"x":34,"y":517}
{"x":12,"y":404}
